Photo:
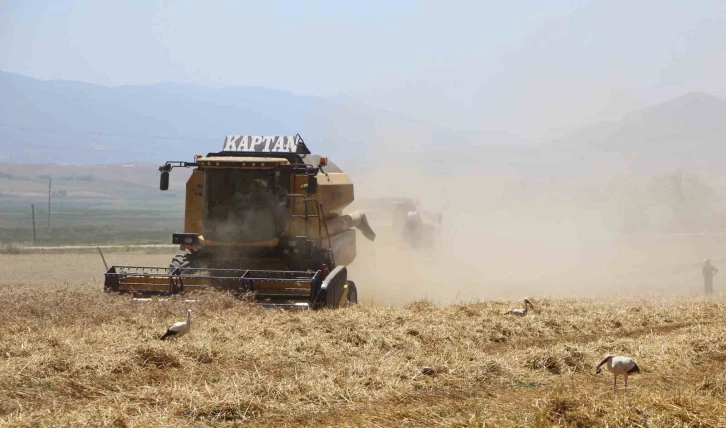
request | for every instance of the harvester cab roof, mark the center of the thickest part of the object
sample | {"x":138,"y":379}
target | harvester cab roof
{"x":260,"y":152}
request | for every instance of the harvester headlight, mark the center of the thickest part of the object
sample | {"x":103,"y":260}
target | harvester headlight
{"x":185,"y":238}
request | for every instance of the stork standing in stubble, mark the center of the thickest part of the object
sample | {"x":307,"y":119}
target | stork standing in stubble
{"x":618,"y":366}
{"x":180,"y":328}
{"x":521,"y":312}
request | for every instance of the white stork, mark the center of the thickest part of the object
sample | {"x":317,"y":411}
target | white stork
{"x":618,"y":366}
{"x":180,"y":328}
{"x":521,"y":312}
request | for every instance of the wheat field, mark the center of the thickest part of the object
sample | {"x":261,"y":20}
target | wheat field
{"x":72,"y":355}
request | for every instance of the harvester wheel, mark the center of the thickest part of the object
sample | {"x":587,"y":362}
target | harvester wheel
{"x":332,"y":288}
{"x":352,"y":293}
{"x":180,"y":261}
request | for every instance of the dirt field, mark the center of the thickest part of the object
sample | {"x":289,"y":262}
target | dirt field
{"x":71,"y":355}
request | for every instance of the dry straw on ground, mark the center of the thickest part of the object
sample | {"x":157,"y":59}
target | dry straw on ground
{"x":74,"y":356}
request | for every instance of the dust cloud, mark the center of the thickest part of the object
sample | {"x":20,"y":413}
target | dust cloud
{"x":516,"y":234}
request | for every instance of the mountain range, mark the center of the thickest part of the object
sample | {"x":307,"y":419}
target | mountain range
{"x":70,"y":122}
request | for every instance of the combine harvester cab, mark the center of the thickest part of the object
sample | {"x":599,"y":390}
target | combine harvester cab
{"x":264,"y":220}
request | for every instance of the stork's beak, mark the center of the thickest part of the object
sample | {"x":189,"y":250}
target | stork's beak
{"x":604,"y":360}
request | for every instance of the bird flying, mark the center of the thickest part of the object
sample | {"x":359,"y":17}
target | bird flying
{"x":521,"y":312}
{"x":618,"y":366}
{"x":180,"y":328}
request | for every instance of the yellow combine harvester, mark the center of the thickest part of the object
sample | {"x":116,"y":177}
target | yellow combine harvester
{"x":263,"y":219}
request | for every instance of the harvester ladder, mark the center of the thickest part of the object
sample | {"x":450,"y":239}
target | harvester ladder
{"x":306,"y":214}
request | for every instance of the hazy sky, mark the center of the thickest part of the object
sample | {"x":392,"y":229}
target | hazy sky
{"x":532,"y":68}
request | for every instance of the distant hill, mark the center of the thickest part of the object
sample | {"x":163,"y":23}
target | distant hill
{"x":80,"y":123}
{"x":688,"y":131}
{"x":85,"y":136}
{"x":66,"y":122}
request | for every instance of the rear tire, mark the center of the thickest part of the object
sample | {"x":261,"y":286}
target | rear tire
{"x":352,"y":293}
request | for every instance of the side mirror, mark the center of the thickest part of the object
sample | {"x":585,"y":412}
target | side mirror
{"x":164,"y":181}
{"x":312,"y":184}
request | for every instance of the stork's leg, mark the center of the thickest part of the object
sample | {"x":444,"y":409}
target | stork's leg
{"x":626,"y":380}
{"x":615,"y":382}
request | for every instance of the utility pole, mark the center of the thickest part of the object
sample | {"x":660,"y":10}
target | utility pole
{"x":49,"y":203}
{"x":32,"y":210}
